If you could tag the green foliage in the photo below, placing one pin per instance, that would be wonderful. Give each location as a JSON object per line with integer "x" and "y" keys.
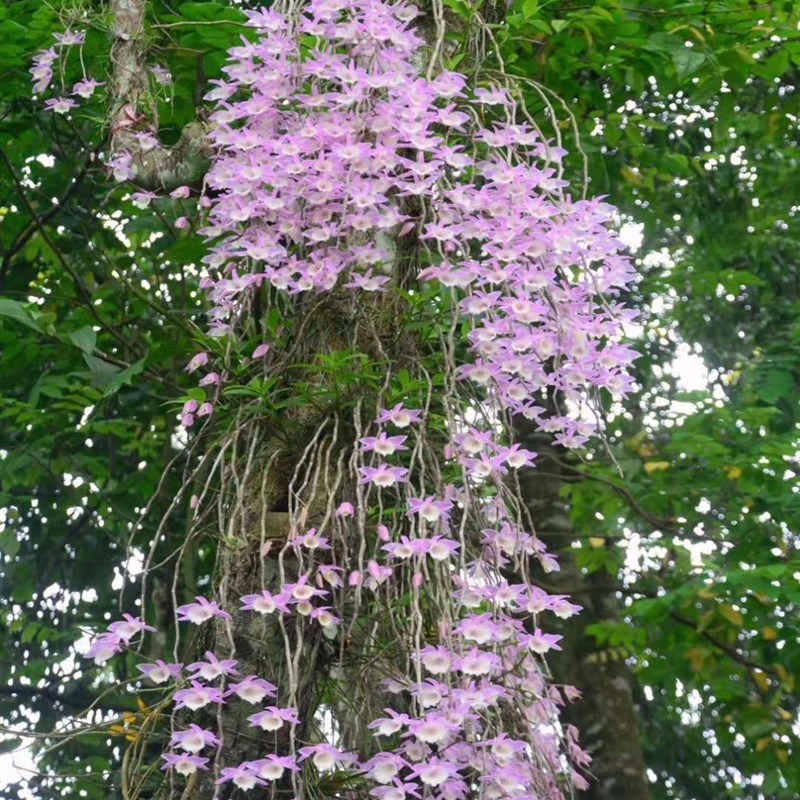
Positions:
{"x": 687, "y": 114}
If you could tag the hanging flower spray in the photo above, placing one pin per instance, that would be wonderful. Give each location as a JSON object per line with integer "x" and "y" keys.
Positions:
{"x": 334, "y": 150}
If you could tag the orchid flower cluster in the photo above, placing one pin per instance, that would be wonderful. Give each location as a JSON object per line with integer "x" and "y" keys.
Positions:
{"x": 53, "y": 61}
{"x": 198, "y": 691}
{"x": 327, "y": 133}
{"x": 317, "y": 153}
{"x": 42, "y": 72}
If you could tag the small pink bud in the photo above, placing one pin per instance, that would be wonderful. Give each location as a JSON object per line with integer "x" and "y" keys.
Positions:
{"x": 200, "y": 360}
{"x": 571, "y": 693}
{"x": 190, "y": 406}
{"x": 261, "y": 351}
{"x": 205, "y": 410}
{"x": 181, "y": 223}
{"x": 345, "y": 510}
{"x": 417, "y": 580}
{"x": 208, "y": 380}
{"x": 194, "y": 502}
{"x": 187, "y": 420}
{"x": 450, "y": 492}
{"x": 383, "y": 533}
{"x": 354, "y": 579}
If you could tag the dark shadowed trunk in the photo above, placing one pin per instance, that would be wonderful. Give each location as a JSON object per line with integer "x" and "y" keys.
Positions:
{"x": 606, "y": 714}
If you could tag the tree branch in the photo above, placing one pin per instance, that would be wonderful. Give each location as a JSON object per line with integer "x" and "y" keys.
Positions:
{"x": 161, "y": 167}
{"x": 77, "y": 699}
{"x": 80, "y": 286}
{"x": 33, "y": 226}
{"x": 729, "y": 650}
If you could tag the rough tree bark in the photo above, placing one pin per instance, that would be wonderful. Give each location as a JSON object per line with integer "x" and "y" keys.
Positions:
{"x": 132, "y": 111}
{"x": 257, "y": 510}
{"x": 606, "y": 714}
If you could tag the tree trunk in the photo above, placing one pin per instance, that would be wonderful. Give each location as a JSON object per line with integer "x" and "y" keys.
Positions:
{"x": 282, "y": 479}
{"x": 605, "y": 715}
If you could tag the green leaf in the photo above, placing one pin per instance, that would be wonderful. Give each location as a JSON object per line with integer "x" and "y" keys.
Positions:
{"x": 462, "y": 8}
{"x": 84, "y": 339}
{"x": 98, "y": 366}
{"x": 18, "y": 312}
{"x": 777, "y": 64}
{"x": 123, "y": 377}
{"x": 9, "y": 543}
{"x": 29, "y": 633}
{"x": 10, "y": 745}
{"x": 210, "y": 12}
{"x": 775, "y": 385}
{"x": 687, "y": 61}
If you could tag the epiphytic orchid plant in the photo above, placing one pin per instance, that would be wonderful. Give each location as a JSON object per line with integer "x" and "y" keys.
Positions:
{"x": 406, "y": 552}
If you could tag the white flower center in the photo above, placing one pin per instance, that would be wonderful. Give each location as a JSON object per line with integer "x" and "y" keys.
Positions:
{"x": 431, "y": 732}
{"x": 245, "y": 781}
{"x": 401, "y": 418}
{"x": 264, "y": 605}
{"x": 185, "y": 767}
{"x": 433, "y": 776}
{"x": 404, "y": 551}
{"x": 481, "y": 470}
{"x": 209, "y": 672}
{"x": 270, "y": 722}
{"x": 439, "y": 551}
{"x": 502, "y": 751}
{"x": 383, "y": 772}
{"x": 388, "y": 727}
{"x": 437, "y": 664}
{"x": 383, "y": 479}
{"x": 251, "y": 694}
{"x": 323, "y": 761}
{"x": 303, "y": 592}
{"x": 271, "y": 772}
{"x": 539, "y": 646}
{"x": 472, "y": 445}
{"x": 429, "y": 697}
{"x": 193, "y": 743}
{"x": 159, "y": 675}
{"x": 197, "y": 700}
{"x": 304, "y": 608}
{"x": 477, "y": 633}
